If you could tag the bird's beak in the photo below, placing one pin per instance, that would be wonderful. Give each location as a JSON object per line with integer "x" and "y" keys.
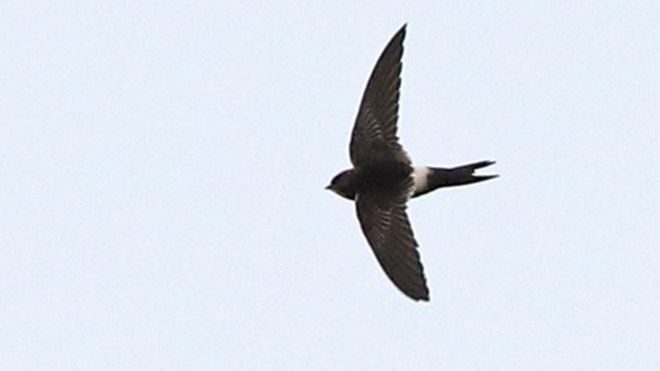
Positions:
{"x": 328, "y": 187}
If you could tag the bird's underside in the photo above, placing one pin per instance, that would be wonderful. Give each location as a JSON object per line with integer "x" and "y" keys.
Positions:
{"x": 383, "y": 179}
{"x": 382, "y": 212}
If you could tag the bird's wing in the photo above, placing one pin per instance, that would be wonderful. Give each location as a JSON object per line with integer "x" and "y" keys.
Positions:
{"x": 383, "y": 219}
{"x": 374, "y": 137}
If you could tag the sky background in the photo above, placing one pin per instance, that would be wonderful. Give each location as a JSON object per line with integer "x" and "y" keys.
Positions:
{"x": 162, "y": 168}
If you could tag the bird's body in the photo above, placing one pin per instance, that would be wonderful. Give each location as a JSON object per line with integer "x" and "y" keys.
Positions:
{"x": 425, "y": 179}
{"x": 383, "y": 178}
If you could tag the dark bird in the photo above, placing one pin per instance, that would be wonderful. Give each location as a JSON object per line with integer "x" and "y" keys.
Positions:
{"x": 383, "y": 178}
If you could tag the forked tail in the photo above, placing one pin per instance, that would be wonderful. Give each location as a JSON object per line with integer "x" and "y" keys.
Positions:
{"x": 460, "y": 175}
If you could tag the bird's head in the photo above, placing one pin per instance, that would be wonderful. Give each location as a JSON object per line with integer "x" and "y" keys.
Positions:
{"x": 342, "y": 184}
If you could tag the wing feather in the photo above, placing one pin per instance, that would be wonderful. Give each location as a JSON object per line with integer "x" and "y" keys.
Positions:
{"x": 374, "y": 137}
{"x": 385, "y": 223}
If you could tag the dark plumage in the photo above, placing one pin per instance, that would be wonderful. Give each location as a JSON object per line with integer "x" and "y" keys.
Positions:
{"x": 383, "y": 178}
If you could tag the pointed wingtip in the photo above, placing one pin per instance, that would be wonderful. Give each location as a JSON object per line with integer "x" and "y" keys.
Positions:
{"x": 402, "y": 31}
{"x": 419, "y": 293}
{"x": 423, "y": 298}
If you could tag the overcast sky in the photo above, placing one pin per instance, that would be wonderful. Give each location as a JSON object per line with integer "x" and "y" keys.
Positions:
{"x": 162, "y": 169}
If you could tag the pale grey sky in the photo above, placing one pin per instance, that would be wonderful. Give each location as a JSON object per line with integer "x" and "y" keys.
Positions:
{"x": 163, "y": 166}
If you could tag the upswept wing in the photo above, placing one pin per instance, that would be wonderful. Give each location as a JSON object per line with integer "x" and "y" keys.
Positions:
{"x": 374, "y": 137}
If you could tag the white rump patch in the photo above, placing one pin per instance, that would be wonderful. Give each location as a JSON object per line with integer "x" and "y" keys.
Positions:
{"x": 421, "y": 177}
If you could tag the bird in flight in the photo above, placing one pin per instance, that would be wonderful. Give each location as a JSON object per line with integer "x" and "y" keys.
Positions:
{"x": 383, "y": 178}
